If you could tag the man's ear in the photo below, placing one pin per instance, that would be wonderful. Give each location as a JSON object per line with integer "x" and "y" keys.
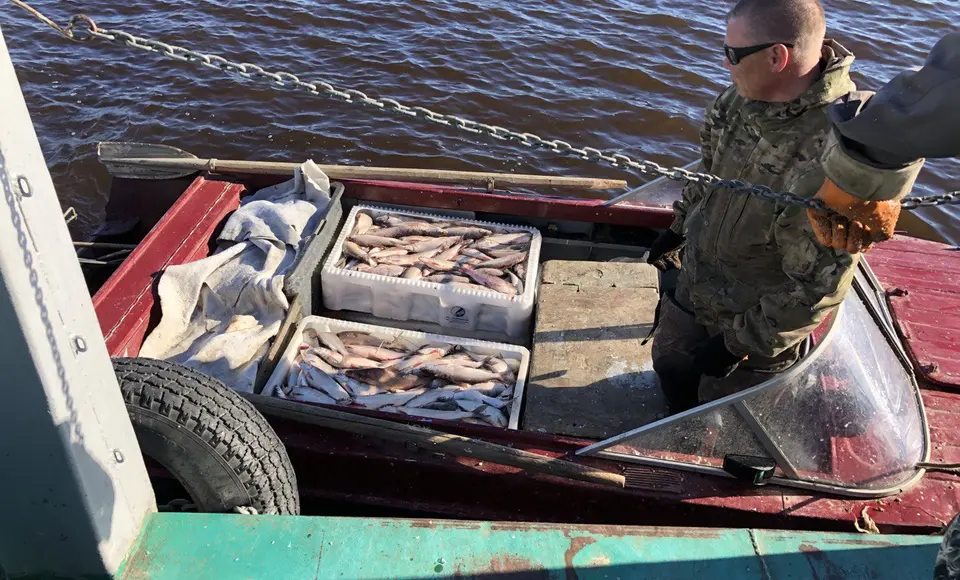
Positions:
{"x": 779, "y": 57}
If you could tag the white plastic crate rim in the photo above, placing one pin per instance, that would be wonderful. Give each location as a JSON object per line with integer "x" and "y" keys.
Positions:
{"x": 321, "y": 324}
{"x": 442, "y": 304}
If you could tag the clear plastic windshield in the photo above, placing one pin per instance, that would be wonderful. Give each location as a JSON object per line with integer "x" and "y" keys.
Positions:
{"x": 848, "y": 416}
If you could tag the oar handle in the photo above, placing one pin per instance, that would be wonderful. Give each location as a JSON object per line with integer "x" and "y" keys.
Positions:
{"x": 475, "y": 178}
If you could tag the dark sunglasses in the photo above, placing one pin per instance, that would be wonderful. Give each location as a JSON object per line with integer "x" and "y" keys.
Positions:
{"x": 735, "y": 55}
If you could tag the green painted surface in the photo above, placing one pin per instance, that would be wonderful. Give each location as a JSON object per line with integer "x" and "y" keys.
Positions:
{"x": 202, "y": 546}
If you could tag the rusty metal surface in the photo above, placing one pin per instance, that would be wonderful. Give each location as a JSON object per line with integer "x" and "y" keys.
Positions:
{"x": 202, "y": 546}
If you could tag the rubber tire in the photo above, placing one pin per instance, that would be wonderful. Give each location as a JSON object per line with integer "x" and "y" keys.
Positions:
{"x": 217, "y": 445}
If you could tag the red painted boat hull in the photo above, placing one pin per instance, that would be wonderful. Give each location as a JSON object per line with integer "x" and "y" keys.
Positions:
{"x": 336, "y": 466}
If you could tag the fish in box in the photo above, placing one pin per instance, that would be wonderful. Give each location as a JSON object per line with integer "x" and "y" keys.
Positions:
{"x": 465, "y": 274}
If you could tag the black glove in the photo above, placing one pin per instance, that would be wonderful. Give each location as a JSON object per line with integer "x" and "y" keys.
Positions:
{"x": 712, "y": 358}
{"x": 665, "y": 252}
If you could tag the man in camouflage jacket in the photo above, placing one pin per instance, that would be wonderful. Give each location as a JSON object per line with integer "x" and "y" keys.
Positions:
{"x": 754, "y": 281}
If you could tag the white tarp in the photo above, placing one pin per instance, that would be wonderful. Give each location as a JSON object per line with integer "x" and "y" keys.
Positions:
{"x": 220, "y": 313}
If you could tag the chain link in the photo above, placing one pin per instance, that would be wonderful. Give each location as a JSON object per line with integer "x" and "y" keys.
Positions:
{"x": 284, "y": 79}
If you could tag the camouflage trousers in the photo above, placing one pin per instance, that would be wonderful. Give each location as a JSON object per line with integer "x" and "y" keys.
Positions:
{"x": 678, "y": 332}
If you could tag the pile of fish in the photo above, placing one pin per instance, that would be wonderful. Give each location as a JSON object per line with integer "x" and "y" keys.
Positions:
{"x": 434, "y": 380}
{"x": 438, "y": 250}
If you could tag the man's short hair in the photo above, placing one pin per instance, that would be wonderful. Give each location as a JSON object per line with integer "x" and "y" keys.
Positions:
{"x": 797, "y": 22}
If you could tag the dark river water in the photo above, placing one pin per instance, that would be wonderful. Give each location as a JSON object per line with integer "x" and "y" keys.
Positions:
{"x": 632, "y": 76}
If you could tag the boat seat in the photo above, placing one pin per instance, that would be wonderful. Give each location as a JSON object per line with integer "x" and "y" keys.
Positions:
{"x": 590, "y": 374}
{"x": 125, "y": 304}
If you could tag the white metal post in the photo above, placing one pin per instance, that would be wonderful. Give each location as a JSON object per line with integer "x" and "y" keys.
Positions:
{"x": 73, "y": 484}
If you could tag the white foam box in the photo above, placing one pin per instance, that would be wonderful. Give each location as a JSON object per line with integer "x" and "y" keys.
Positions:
{"x": 509, "y": 352}
{"x": 442, "y": 304}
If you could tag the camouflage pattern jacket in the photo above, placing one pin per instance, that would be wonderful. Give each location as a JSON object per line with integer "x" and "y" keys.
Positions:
{"x": 751, "y": 267}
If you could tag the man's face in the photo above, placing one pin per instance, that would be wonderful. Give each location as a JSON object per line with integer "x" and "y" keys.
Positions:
{"x": 753, "y": 75}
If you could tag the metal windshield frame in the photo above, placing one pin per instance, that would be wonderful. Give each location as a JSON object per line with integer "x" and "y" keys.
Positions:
{"x": 884, "y": 321}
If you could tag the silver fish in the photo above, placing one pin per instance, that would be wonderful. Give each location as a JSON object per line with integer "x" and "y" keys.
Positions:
{"x": 432, "y": 396}
{"x": 388, "y": 220}
{"x": 503, "y": 252}
{"x": 450, "y": 253}
{"x": 439, "y": 265}
{"x": 497, "y": 364}
{"x": 379, "y": 353}
{"x": 403, "y": 261}
{"x": 354, "y": 251}
{"x": 434, "y": 244}
{"x": 474, "y": 253}
{"x": 373, "y": 241}
{"x": 412, "y": 273}
{"x": 445, "y": 278}
{"x": 308, "y": 395}
{"x": 458, "y": 373}
{"x": 516, "y": 281}
{"x": 313, "y": 359}
{"x": 384, "y": 399}
{"x": 471, "y": 395}
{"x": 329, "y": 356}
{"x": 355, "y": 387}
{"x": 492, "y": 415}
{"x": 411, "y": 229}
{"x": 490, "y": 388}
{"x": 379, "y": 253}
{"x": 504, "y": 262}
{"x": 489, "y": 272}
{"x": 349, "y": 337}
{"x": 492, "y": 282}
{"x": 332, "y": 341}
{"x": 342, "y": 262}
{"x": 358, "y": 362}
{"x": 467, "y": 232}
{"x": 385, "y": 269}
{"x": 325, "y": 383}
{"x": 362, "y": 225}
{"x": 389, "y": 379}
{"x": 502, "y": 240}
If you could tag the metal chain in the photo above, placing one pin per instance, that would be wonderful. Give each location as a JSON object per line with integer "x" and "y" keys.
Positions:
{"x": 283, "y": 79}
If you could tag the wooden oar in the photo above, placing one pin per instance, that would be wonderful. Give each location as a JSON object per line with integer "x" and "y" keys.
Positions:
{"x": 151, "y": 161}
{"x": 433, "y": 440}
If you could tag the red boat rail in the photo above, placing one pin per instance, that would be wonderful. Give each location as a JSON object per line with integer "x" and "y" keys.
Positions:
{"x": 125, "y": 303}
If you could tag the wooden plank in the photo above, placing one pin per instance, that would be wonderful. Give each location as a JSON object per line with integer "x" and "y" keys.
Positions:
{"x": 591, "y": 375}
{"x": 433, "y": 440}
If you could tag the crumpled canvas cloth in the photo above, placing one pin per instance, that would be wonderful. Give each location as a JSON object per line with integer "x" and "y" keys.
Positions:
{"x": 219, "y": 314}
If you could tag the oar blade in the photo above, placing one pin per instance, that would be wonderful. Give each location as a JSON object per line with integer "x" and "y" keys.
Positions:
{"x": 121, "y": 160}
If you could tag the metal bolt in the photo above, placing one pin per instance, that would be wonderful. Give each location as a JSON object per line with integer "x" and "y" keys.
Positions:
{"x": 24, "y": 185}
{"x": 79, "y": 344}
{"x": 118, "y": 456}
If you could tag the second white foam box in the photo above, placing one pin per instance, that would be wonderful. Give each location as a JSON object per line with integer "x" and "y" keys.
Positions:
{"x": 442, "y": 304}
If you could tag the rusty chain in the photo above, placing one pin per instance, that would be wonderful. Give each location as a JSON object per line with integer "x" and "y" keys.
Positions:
{"x": 282, "y": 79}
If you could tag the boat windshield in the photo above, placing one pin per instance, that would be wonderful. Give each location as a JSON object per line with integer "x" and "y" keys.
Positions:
{"x": 847, "y": 417}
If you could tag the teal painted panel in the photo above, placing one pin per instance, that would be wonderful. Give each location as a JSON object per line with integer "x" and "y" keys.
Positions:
{"x": 206, "y": 546}
{"x": 222, "y": 546}
{"x": 435, "y": 549}
{"x": 801, "y": 555}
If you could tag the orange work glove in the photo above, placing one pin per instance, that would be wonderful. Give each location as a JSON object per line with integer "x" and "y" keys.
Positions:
{"x": 860, "y": 223}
